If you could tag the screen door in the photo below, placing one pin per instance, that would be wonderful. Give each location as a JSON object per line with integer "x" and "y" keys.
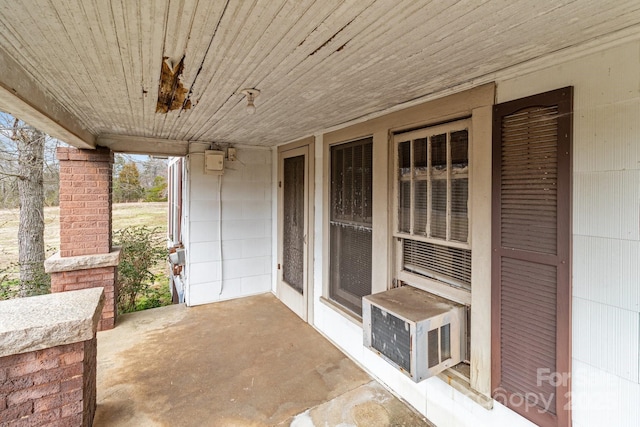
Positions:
{"x": 293, "y": 212}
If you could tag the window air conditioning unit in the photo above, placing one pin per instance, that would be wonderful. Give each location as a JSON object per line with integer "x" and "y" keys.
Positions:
{"x": 419, "y": 333}
{"x": 214, "y": 162}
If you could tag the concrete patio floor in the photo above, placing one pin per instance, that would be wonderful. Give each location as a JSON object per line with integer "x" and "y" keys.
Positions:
{"x": 246, "y": 362}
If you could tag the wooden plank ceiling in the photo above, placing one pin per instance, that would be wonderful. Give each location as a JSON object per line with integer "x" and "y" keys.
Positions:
{"x": 317, "y": 63}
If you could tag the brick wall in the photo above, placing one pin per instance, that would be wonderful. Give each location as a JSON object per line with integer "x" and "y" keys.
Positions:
{"x": 55, "y": 385}
{"x": 85, "y": 201}
{"x": 92, "y": 278}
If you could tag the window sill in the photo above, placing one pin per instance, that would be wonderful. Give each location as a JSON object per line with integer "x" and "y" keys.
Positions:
{"x": 459, "y": 380}
{"x": 349, "y": 315}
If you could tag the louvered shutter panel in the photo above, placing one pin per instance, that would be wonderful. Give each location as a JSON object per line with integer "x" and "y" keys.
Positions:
{"x": 531, "y": 259}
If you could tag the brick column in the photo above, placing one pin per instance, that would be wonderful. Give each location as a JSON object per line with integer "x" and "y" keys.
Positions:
{"x": 86, "y": 258}
{"x": 85, "y": 201}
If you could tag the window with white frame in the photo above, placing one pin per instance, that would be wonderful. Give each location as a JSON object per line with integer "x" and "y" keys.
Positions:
{"x": 175, "y": 201}
{"x": 351, "y": 219}
{"x": 432, "y": 214}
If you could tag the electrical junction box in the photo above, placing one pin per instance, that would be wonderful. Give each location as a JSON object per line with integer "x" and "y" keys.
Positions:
{"x": 214, "y": 162}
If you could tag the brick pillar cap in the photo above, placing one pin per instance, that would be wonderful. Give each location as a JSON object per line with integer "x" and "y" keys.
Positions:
{"x": 59, "y": 264}
{"x": 44, "y": 321}
{"x": 100, "y": 154}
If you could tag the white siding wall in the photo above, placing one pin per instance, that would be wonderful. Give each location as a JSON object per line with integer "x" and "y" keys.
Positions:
{"x": 246, "y": 228}
{"x": 606, "y": 253}
{"x": 606, "y": 228}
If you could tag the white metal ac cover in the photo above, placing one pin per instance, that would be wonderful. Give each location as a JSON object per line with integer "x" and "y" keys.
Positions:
{"x": 419, "y": 333}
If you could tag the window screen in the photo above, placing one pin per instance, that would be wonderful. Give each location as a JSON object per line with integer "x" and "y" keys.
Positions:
{"x": 293, "y": 232}
{"x": 350, "y": 223}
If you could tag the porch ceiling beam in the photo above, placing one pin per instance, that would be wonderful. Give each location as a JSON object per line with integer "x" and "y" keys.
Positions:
{"x": 143, "y": 145}
{"x": 22, "y": 97}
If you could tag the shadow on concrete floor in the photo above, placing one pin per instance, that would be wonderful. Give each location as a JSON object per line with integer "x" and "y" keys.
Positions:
{"x": 246, "y": 362}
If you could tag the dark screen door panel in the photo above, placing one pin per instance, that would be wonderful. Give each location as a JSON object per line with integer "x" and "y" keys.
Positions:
{"x": 293, "y": 230}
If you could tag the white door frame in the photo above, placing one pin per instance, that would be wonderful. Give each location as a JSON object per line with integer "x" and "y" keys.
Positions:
{"x": 302, "y": 305}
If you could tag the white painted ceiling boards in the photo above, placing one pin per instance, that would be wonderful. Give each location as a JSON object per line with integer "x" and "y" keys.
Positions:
{"x": 91, "y": 69}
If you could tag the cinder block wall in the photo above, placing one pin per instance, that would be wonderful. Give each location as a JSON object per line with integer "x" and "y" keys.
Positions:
{"x": 245, "y": 225}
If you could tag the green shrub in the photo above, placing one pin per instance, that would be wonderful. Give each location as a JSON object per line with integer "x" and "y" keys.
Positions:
{"x": 39, "y": 285}
{"x": 143, "y": 248}
{"x": 10, "y": 286}
{"x": 155, "y": 296}
{"x": 9, "y": 289}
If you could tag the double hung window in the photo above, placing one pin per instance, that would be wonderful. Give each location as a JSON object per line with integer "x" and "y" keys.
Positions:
{"x": 432, "y": 197}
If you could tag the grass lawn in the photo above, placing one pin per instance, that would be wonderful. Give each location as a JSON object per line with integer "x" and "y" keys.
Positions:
{"x": 124, "y": 215}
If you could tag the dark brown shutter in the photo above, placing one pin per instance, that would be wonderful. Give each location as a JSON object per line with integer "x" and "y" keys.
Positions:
{"x": 531, "y": 264}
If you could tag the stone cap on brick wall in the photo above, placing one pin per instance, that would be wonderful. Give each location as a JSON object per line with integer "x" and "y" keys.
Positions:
{"x": 59, "y": 264}
{"x": 36, "y": 323}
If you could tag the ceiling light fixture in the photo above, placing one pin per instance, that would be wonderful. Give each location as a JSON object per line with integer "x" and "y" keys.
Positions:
{"x": 251, "y": 95}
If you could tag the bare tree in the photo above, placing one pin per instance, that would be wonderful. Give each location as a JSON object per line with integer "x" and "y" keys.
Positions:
{"x": 31, "y": 255}
{"x": 9, "y": 165}
{"x": 152, "y": 168}
{"x": 28, "y": 173}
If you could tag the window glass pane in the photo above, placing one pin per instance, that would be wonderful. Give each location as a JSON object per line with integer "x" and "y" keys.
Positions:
{"x": 350, "y": 265}
{"x": 420, "y": 155}
{"x": 367, "y": 183}
{"x": 404, "y": 158}
{"x": 357, "y": 183}
{"x": 459, "y": 151}
{"x": 439, "y": 209}
{"x": 439, "y": 152}
{"x": 337, "y": 184}
{"x": 404, "y": 206}
{"x": 347, "y": 184}
{"x": 420, "y": 208}
{"x": 459, "y": 211}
